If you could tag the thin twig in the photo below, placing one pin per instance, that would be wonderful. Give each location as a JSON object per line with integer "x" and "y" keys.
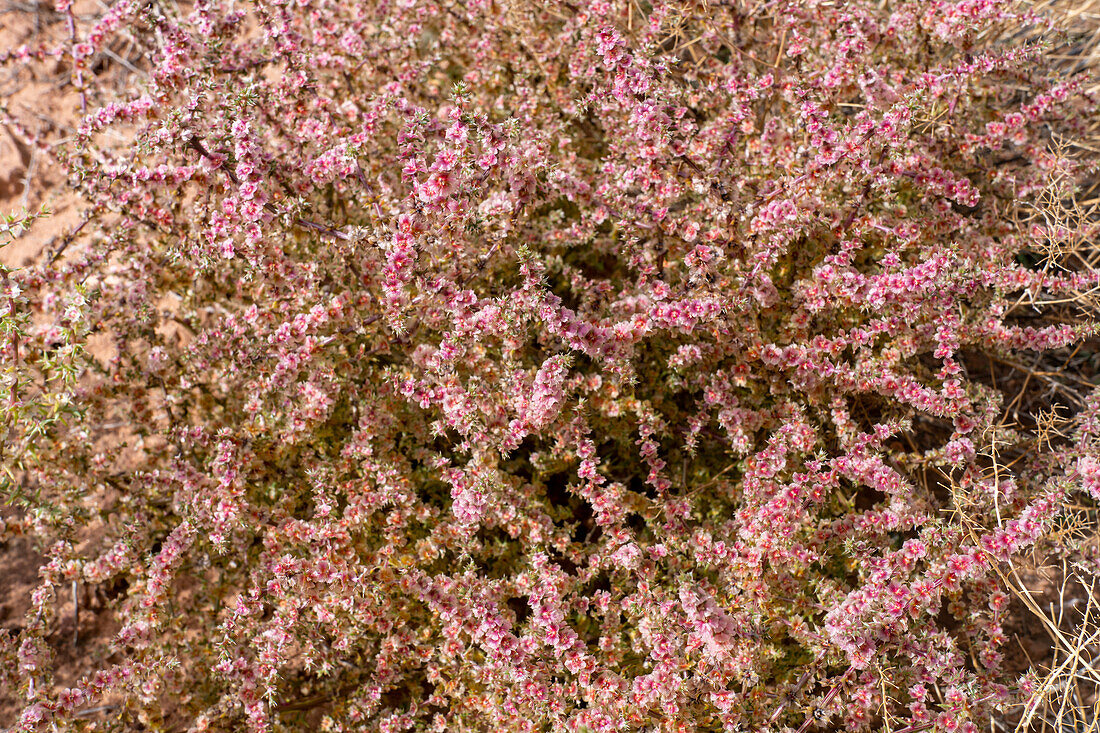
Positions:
{"x": 76, "y": 615}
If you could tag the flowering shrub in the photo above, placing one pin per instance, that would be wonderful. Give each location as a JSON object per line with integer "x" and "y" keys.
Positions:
{"x": 583, "y": 366}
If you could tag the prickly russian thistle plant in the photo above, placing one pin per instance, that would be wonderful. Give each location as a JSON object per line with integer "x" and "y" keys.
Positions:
{"x": 587, "y": 366}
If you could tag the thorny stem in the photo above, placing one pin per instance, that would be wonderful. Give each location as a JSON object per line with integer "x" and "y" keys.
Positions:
{"x": 196, "y": 145}
{"x": 77, "y": 63}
